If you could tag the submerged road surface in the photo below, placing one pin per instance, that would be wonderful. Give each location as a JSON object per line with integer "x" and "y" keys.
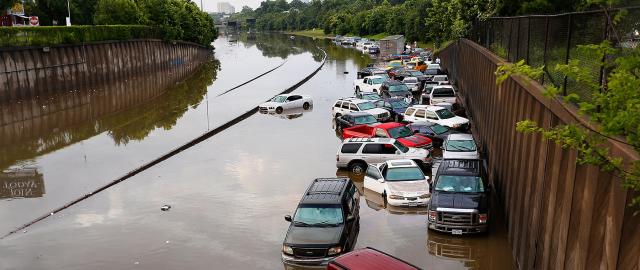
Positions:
{"x": 228, "y": 195}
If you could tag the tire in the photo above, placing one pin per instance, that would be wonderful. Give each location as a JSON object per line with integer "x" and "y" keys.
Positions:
{"x": 338, "y": 115}
{"x": 306, "y": 106}
{"x": 358, "y": 167}
{"x": 279, "y": 110}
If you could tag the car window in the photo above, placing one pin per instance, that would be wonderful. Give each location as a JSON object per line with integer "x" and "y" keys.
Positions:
{"x": 438, "y": 129}
{"x": 404, "y": 174}
{"x": 443, "y": 92}
{"x": 376, "y": 80}
{"x": 398, "y": 88}
{"x": 372, "y": 148}
{"x": 350, "y": 148}
{"x": 380, "y": 133}
{"x": 353, "y": 107}
{"x": 319, "y": 215}
{"x": 409, "y": 111}
{"x": 431, "y": 115}
{"x": 365, "y": 119}
{"x": 445, "y": 114}
{"x": 337, "y": 105}
{"x": 455, "y": 183}
{"x": 373, "y": 172}
{"x": 366, "y": 106}
{"x": 388, "y": 149}
{"x": 400, "y": 132}
{"x": 420, "y": 114}
{"x": 461, "y": 146}
{"x": 365, "y": 80}
{"x": 345, "y": 105}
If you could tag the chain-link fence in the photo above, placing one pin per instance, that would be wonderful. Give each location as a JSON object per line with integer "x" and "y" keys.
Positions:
{"x": 54, "y": 35}
{"x": 548, "y": 40}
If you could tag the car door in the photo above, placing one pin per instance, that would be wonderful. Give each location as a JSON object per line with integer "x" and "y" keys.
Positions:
{"x": 389, "y": 152}
{"x": 337, "y": 108}
{"x": 345, "y": 107}
{"x": 420, "y": 115}
{"x": 432, "y": 117}
{"x": 343, "y": 121}
{"x": 372, "y": 153}
{"x": 373, "y": 178}
{"x": 408, "y": 115}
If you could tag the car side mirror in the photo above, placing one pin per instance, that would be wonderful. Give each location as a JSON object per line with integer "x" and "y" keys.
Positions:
{"x": 287, "y": 218}
{"x": 398, "y": 152}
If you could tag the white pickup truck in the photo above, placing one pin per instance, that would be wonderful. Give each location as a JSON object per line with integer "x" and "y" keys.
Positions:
{"x": 368, "y": 84}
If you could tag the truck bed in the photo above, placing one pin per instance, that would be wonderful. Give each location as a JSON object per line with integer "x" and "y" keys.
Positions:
{"x": 360, "y": 131}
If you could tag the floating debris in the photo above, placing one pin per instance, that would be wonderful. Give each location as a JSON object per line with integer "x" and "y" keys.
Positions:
{"x": 165, "y": 207}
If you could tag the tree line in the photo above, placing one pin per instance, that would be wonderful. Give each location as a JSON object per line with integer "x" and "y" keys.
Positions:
{"x": 423, "y": 20}
{"x": 177, "y": 19}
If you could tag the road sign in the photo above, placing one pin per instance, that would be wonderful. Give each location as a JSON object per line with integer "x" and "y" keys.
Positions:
{"x": 34, "y": 21}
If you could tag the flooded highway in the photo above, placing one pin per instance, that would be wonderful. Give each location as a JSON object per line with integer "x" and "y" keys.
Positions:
{"x": 228, "y": 194}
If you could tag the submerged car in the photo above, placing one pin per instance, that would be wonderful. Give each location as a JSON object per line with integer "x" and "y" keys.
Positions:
{"x": 395, "y": 106}
{"x": 390, "y": 89}
{"x": 400, "y": 182}
{"x": 369, "y": 259}
{"x": 280, "y": 103}
{"x": 356, "y": 154}
{"x": 355, "y": 119}
{"x": 460, "y": 146}
{"x": 436, "y": 132}
{"x": 325, "y": 224}
{"x": 436, "y": 114}
{"x": 460, "y": 197}
{"x": 373, "y": 96}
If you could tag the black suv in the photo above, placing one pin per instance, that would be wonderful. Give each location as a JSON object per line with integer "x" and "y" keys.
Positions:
{"x": 326, "y": 223}
{"x": 460, "y": 197}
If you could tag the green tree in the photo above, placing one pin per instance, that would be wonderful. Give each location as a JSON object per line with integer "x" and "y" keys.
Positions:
{"x": 110, "y": 12}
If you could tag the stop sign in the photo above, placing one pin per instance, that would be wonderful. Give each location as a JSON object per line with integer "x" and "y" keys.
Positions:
{"x": 33, "y": 21}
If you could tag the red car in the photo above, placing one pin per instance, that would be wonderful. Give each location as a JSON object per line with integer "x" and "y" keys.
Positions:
{"x": 369, "y": 259}
{"x": 398, "y": 131}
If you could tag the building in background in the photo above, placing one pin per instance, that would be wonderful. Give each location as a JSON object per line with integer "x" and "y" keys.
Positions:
{"x": 392, "y": 45}
{"x": 226, "y": 8}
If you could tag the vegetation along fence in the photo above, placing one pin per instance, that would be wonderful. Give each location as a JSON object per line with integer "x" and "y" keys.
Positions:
{"x": 548, "y": 40}
{"x": 54, "y": 35}
{"x": 560, "y": 214}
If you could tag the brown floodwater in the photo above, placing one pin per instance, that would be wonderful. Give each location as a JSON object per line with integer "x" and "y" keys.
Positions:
{"x": 228, "y": 194}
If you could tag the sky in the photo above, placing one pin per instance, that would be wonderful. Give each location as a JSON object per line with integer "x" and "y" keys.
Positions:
{"x": 211, "y": 5}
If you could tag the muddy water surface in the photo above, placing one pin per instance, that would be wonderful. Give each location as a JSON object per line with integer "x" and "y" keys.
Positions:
{"x": 228, "y": 195}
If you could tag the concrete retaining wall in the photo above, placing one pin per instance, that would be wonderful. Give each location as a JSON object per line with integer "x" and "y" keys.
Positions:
{"x": 31, "y": 72}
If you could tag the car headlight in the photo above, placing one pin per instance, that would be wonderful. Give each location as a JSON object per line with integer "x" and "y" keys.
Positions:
{"x": 425, "y": 196}
{"x": 335, "y": 250}
{"x": 287, "y": 249}
{"x": 396, "y": 197}
{"x": 455, "y": 126}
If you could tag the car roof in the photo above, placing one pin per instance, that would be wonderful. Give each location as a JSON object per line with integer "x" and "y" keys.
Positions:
{"x": 371, "y": 259}
{"x": 325, "y": 191}
{"x": 354, "y": 100}
{"x": 443, "y": 86}
{"x": 393, "y": 82}
{"x": 401, "y": 163}
{"x": 460, "y": 167}
{"x": 369, "y": 140}
{"x": 428, "y": 107}
{"x": 373, "y": 77}
{"x": 461, "y": 137}
{"x": 389, "y": 125}
{"x": 358, "y": 113}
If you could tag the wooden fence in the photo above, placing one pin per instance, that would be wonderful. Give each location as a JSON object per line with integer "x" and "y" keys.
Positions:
{"x": 560, "y": 215}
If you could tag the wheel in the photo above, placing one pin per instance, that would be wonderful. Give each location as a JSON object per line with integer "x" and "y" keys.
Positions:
{"x": 358, "y": 167}
{"x": 306, "y": 106}
{"x": 279, "y": 110}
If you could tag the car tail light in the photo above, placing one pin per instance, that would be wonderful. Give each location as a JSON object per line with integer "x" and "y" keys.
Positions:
{"x": 433, "y": 215}
{"x": 482, "y": 218}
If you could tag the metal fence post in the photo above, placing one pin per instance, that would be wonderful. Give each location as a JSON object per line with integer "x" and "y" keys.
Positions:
{"x": 546, "y": 42}
{"x": 528, "y": 39}
{"x": 517, "y": 42}
{"x": 509, "y": 39}
{"x": 566, "y": 60}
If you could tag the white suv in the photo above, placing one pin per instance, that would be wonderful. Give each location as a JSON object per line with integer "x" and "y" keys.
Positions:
{"x": 356, "y": 153}
{"x": 400, "y": 182}
{"x": 460, "y": 146}
{"x": 349, "y": 105}
{"x": 435, "y": 114}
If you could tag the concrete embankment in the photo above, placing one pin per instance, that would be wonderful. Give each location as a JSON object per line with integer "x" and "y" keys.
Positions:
{"x": 28, "y": 72}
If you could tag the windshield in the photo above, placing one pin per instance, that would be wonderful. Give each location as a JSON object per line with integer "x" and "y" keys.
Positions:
{"x": 320, "y": 215}
{"x": 467, "y": 184}
{"x": 376, "y": 80}
{"x": 279, "y": 99}
{"x": 398, "y": 88}
{"x": 366, "y": 106}
{"x": 400, "y": 132}
{"x": 404, "y": 174}
{"x": 443, "y": 92}
{"x": 399, "y": 104}
{"x": 444, "y": 114}
{"x": 410, "y": 80}
{"x": 395, "y": 64}
{"x": 431, "y": 72}
{"x": 438, "y": 129}
{"x": 401, "y": 147}
{"x": 370, "y": 96}
{"x": 461, "y": 146}
{"x": 415, "y": 73}
{"x": 365, "y": 119}
{"x": 440, "y": 78}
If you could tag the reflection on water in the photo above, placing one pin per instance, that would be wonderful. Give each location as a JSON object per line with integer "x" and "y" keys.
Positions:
{"x": 290, "y": 114}
{"x": 468, "y": 250}
{"x": 21, "y": 182}
{"x": 127, "y": 110}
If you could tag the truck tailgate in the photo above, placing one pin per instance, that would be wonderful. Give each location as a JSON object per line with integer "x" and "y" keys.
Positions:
{"x": 361, "y": 131}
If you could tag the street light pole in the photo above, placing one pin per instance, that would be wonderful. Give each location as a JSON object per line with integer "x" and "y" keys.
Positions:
{"x": 69, "y": 12}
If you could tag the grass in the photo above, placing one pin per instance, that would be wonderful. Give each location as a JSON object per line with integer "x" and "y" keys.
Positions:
{"x": 314, "y": 33}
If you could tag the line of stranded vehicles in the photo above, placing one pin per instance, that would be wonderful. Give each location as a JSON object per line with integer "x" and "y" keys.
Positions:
{"x": 389, "y": 139}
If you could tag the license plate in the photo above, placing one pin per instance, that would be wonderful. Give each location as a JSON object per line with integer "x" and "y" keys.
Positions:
{"x": 413, "y": 204}
{"x": 456, "y": 232}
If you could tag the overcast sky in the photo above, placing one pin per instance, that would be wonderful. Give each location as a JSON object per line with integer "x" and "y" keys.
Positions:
{"x": 211, "y": 5}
